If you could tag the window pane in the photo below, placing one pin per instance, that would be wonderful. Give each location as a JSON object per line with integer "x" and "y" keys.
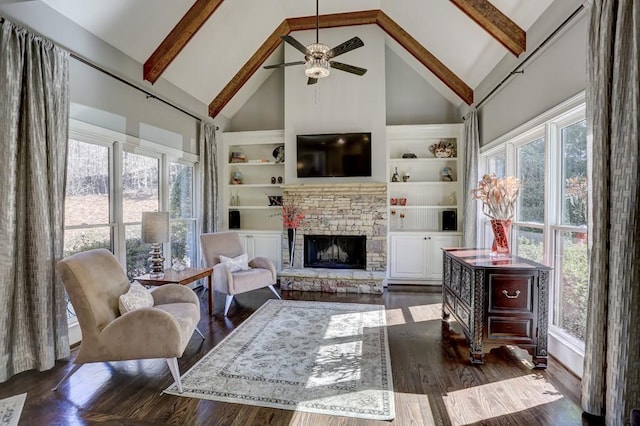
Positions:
{"x": 77, "y": 240}
{"x": 574, "y": 174}
{"x": 87, "y": 193}
{"x": 531, "y": 173}
{"x": 137, "y": 252}
{"x": 572, "y": 266}
{"x": 139, "y": 186}
{"x": 496, "y": 165}
{"x": 180, "y": 191}
{"x": 182, "y": 242}
{"x": 528, "y": 242}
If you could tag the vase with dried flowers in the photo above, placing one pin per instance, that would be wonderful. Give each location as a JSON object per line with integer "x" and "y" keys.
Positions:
{"x": 292, "y": 219}
{"x": 498, "y": 196}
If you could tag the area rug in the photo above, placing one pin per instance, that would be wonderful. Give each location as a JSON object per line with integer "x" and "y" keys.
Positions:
{"x": 11, "y": 408}
{"x": 329, "y": 358}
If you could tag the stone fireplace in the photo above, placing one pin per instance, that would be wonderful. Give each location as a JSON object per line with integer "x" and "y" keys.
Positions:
{"x": 355, "y": 211}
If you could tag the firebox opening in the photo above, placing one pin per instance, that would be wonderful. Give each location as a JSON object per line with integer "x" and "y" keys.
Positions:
{"x": 335, "y": 251}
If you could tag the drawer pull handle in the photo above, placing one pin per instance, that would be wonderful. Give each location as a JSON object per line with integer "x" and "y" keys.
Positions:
{"x": 508, "y": 296}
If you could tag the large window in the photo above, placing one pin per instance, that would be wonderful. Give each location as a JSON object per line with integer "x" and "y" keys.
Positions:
{"x": 111, "y": 181}
{"x": 549, "y": 156}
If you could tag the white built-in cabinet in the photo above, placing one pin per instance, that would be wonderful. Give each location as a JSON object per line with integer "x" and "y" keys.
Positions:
{"x": 263, "y": 243}
{"x": 260, "y": 223}
{"x": 416, "y": 232}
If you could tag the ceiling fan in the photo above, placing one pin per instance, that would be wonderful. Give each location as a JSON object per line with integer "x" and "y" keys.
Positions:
{"x": 318, "y": 56}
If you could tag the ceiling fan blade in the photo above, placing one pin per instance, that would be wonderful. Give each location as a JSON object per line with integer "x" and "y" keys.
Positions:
{"x": 286, "y": 64}
{"x": 295, "y": 43}
{"x": 348, "y": 68}
{"x": 345, "y": 47}
{"x": 312, "y": 80}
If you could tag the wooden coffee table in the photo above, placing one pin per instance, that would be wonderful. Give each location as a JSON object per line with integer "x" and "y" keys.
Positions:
{"x": 186, "y": 276}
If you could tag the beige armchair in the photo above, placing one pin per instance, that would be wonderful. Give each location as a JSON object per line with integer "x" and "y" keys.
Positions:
{"x": 262, "y": 272}
{"x": 94, "y": 281}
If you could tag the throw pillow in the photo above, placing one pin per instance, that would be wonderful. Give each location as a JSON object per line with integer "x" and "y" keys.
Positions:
{"x": 235, "y": 264}
{"x": 137, "y": 297}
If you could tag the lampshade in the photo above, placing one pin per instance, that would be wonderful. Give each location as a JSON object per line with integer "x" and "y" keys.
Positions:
{"x": 155, "y": 227}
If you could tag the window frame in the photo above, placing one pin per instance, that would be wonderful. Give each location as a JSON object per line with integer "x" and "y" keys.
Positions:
{"x": 567, "y": 348}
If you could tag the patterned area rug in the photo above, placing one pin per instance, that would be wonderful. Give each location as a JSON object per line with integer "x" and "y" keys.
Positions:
{"x": 11, "y": 408}
{"x": 329, "y": 358}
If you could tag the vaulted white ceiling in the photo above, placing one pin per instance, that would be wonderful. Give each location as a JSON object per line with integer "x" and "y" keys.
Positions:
{"x": 239, "y": 27}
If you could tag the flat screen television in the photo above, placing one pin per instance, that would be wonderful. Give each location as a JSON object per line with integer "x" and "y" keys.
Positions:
{"x": 334, "y": 155}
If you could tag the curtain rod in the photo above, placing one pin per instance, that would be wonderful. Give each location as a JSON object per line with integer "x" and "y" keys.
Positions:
{"x": 517, "y": 69}
{"x": 130, "y": 84}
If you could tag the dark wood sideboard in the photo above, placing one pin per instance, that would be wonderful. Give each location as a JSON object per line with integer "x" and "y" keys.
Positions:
{"x": 496, "y": 301}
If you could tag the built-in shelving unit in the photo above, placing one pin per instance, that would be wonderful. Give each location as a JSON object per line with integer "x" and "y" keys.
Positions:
{"x": 433, "y": 186}
{"x": 250, "y": 194}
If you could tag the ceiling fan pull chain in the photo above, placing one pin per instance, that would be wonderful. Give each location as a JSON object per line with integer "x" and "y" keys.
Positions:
{"x": 317, "y": 22}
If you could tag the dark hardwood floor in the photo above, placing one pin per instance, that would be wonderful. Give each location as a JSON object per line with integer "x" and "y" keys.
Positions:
{"x": 433, "y": 380}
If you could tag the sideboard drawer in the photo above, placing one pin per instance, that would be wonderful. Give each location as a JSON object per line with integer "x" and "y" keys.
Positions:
{"x": 511, "y": 293}
{"x": 510, "y": 328}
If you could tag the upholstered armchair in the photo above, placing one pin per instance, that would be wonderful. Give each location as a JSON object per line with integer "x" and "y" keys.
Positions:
{"x": 94, "y": 281}
{"x": 260, "y": 272}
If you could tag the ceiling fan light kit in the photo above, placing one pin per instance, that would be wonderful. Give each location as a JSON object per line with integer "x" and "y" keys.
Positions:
{"x": 317, "y": 65}
{"x": 317, "y": 56}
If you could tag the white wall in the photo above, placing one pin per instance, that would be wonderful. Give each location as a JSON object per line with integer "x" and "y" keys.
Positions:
{"x": 555, "y": 74}
{"x": 411, "y": 99}
{"x": 265, "y": 109}
{"x": 342, "y": 102}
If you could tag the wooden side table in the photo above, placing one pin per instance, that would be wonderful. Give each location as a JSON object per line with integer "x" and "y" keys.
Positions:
{"x": 186, "y": 276}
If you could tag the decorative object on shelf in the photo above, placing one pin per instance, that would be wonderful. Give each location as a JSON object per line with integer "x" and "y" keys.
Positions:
{"x": 393, "y": 201}
{"x": 292, "y": 219}
{"x": 238, "y": 157}
{"x": 280, "y": 180}
{"x": 236, "y": 178}
{"x": 395, "y": 177}
{"x": 443, "y": 149}
{"x": 447, "y": 174}
{"x": 409, "y": 155}
{"x": 235, "y": 199}
{"x": 278, "y": 154}
{"x": 406, "y": 177}
{"x": 275, "y": 200}
{"x": 273, "y": 180}
{"x": 402, "y": 216}
{"x": 155, "y": 230}
{"x": 498, "y": 198}
{"x": 403, "y": 201}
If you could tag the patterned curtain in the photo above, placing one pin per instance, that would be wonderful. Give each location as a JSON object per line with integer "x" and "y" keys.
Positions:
{"x": 209, "y": 170}
{"x": 34, "y": 119}
{"x": 612, "y": 353}
{"x": 469, "y": 206}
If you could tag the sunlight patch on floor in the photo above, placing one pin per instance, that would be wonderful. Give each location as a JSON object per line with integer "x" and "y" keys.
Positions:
{"x": 421, "y": 313}
{"x": 395, "y": 317}
{"x": 480, "y": 403}
{"x": 413, "y": 409}
{"x": 336, "y": 363}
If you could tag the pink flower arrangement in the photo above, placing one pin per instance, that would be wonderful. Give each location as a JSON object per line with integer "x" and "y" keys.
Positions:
{"x": 292, "y": 216}
{"x": 498, "y": 196}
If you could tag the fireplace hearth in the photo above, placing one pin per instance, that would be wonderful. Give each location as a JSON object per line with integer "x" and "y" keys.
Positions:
{"x": 335, "y": 251}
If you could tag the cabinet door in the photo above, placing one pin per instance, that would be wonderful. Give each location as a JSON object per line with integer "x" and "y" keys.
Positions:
{"x": 434, "y": 253}
{"x": 247, "y": 245}
{"x": 408, "y": 256}
{"x": 269, "y": 246}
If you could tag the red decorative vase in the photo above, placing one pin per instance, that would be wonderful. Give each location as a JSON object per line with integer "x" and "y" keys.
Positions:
{"x": 501, "y": 230}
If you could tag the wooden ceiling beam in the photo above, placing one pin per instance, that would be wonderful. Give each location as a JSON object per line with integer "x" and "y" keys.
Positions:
{"x": 178, "y": 38}
{"x": 496, "y": 23}
{"x": 248, "y": 69}
{"x": 426, "y": 58}
{"x": 367, "y": 17}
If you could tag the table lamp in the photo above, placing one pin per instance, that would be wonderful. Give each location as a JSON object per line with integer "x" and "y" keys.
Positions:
{"x": 155, "y": 230}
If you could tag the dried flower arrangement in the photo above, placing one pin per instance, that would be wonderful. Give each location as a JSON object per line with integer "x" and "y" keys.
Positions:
{"x": 498, "y": 196}
{"x": 292, "y": 215}
{"x": 444, "y": 149}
